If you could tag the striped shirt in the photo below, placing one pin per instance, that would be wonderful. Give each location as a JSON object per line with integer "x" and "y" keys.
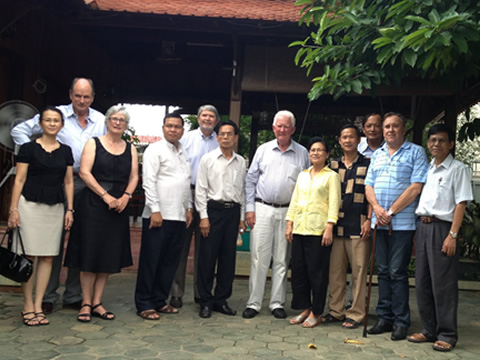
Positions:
{"x": 390, "y": 176}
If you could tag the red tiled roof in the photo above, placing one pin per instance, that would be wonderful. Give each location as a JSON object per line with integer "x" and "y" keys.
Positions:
{"x": 270, "y": 10}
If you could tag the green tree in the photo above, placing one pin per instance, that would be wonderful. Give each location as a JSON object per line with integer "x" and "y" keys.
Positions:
{"x": 358, "y": 44}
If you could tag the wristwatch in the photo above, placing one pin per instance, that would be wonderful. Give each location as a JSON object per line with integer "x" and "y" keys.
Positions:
{"x": 128, "y": 194}
{"x": 453, "y": 235}
{"x": 390, "y": 212}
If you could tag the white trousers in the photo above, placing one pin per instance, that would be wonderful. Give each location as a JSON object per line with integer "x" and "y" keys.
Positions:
{"x": 267, "y": 242}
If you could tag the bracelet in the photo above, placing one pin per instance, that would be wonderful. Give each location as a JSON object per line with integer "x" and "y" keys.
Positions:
{"x": 103, "y": 194}
{"x": 72, "y": 210}
{"x": 369, "y": 219}
{"x": 190, "y": 209}
{"x": 12, "y": 211}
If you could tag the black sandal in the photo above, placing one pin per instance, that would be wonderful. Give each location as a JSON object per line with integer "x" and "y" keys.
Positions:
{"x": 107, "y": 315}
{"x": 354, "y": 324}
{"x": 41, "y": 318}
{"x": 329, "y": 318}
{"x": 27, "y": 321}
{"x": 85, "y": 317}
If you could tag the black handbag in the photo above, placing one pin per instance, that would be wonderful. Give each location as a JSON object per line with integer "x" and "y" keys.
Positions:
{"x": 16, "y": 267}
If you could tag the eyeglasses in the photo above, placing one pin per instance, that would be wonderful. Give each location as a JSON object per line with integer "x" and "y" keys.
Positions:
{"x": 227, "y": 134}
{"x": 119, "y": 120}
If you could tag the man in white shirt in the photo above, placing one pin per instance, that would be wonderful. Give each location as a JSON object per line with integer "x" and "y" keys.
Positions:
{"x": 269, "y": 186}
{"x": 441, "y": 210}
{"x": 220, "y": 201}
{"x": 167, "y": 214}
{"x": 81, "y": 123}
{"x": 372, "y": 129}
{"x": 196, "y": 143}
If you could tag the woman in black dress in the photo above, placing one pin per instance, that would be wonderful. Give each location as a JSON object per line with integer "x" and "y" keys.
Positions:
{"x": 43, "y": 166}
{"x": 100, "y": 240}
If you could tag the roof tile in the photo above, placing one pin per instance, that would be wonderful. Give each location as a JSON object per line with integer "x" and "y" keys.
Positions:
{"x": 269, "y": 10}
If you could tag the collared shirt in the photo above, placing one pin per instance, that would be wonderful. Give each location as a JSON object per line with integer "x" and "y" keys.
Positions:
{"x": 314, "y": 202}
{"x": 166, "y": 181}
{"x": 196, "y": 145}
{"x": 220, "y": 179}
{"x": 354, "y": 206}
{"x": 447, "y": 185}
{"x": 72, "y": 134}
{"x": 365, "y": 149}
{"x": 390, "y": 176}
{"x": 273, "y": 173}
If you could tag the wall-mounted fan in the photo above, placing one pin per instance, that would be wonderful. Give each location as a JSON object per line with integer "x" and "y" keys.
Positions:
{"x": 12, "y": 113}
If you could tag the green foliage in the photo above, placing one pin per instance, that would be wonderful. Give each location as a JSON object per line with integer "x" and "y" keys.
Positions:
{"x": 470, "y": 232}
{"x": 363, "y": 43}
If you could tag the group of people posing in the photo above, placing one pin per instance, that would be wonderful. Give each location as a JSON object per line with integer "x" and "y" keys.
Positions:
{"x": 302, "y": 208}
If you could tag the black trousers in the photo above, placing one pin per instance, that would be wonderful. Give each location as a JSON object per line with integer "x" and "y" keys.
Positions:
{"x": 219, "y": 249}
{"x": 310, "y": 263}
{"x": 159, "y": 257}
{"x": 436, "y": 282}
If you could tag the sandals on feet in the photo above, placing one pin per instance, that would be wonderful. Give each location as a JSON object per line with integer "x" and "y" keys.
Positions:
{"x": 41, "y": 318}
{"x": 149, "y": 314}
{"x": 329, "y": 318}
{"x": 419, "y": 338}
{"x": 299, "y": 319}
{"x": 168, "y": 309}
{"x": 350, "y": 324}
{"x": 311, "y": 322}
{"x": 30, "y": 321}
{"x": 85, "y": 316}
{"x": 106, "y": 315}
{"x": 442, "y": 346}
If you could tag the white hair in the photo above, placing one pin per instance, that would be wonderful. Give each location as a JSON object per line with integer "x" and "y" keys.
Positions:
{"x": 284, "y": 113}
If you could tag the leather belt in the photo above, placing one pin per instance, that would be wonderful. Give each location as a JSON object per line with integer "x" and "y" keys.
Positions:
{"x": 192, "y": 186}
{"x": 222, "y": 204}
{"x": 429, "y": 219}
{"x": 272, "y": 204}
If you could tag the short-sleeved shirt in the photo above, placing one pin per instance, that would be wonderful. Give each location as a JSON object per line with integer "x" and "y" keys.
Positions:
{"x": 447, "y": 185}
{"x": 354, "y": 206}
{"x": 390, "y": 176}
{"x": 46, "y": 172}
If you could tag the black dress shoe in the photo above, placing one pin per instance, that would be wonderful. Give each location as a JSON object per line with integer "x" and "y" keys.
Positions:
{"x": 75, "y": 305}
{"x": 380, "y": 327}
{"x": 279, "y": 313}
{"x": 224, "y": 309}
{"x": 249, "y": 313}
{"x": 400, "y": 333}
{"x": 47, "y": 307}
{"x": 205, "y": 312}
{"x": 176, "y": 302}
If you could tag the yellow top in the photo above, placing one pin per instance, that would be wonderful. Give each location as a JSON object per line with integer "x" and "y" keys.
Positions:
{"x": 315, "y": 202}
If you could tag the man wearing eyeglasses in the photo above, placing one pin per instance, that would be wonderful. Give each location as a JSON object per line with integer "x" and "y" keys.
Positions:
{"x": 269, "y": 186}
{"x": 81, "y": 123}
{"x": 220, "y": 201}
{"x": 441, "y": 209}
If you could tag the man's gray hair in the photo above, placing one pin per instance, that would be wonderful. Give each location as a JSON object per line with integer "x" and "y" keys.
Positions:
{"x": 285, "y": 113}
{"x": 117, "y": 109}
{"x": 208, "y": 108}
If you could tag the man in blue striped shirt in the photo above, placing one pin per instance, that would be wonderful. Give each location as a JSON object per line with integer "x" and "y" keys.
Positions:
{"x": 394, "y": 182}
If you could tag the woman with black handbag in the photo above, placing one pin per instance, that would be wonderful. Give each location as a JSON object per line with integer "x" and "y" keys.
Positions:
{"x": 37, "y": 205}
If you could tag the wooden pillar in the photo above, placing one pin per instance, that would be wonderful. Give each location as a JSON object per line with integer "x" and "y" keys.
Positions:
{"x": 236, "y": 87}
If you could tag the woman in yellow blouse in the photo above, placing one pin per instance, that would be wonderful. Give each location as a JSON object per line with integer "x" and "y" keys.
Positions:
{"x": 312, "y": 213}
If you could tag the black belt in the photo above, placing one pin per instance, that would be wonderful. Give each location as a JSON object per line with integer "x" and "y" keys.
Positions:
{"x": 272, "y": 204}
{"x": 192, "y": 186}
{"x": 222, "y": 204}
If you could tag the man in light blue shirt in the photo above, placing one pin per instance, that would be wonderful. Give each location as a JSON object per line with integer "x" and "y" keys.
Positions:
{"x": 196, "y": 143}
{"x": 81, "y": 123}
{"x": 372, "y": 129}
{"x": 269, "y": 186}
{"x": 394, "y": 182}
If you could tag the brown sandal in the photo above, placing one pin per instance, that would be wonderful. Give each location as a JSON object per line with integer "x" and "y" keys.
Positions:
{"x": 419, "y": 338}
{"x": 149, "y": 314}
{"x": 442, "y": 346}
